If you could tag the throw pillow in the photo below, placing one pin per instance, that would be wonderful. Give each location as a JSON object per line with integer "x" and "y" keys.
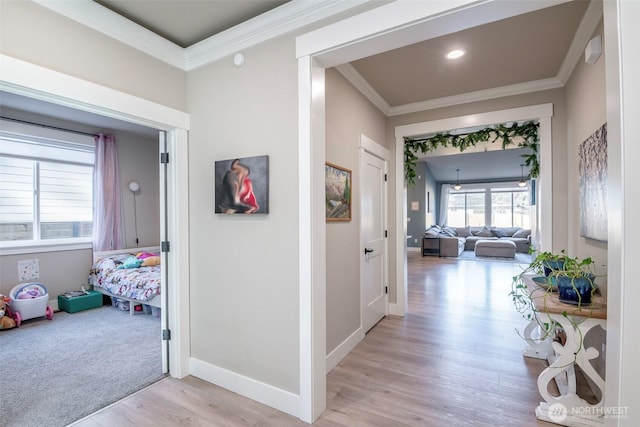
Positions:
{"x": 447, "y": 232}
{"x": 431, "y": 232}
{"x": 450, "y": 230}
{"x": 463, "y": 231}
{"x": 523, "y": 233}
{"x": 498, "y": 233}
{"x": 485, "y": 232}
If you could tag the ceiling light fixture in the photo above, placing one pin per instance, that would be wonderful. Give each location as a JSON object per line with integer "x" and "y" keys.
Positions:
{"x": 522, "y": 182}
{"x": 457, "y": 185}
{"x": 456, "y": 53}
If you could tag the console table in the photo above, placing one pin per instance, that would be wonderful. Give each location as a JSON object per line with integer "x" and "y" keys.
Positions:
{"x": 431, "y": 246}
{"x": 569, "y": 408}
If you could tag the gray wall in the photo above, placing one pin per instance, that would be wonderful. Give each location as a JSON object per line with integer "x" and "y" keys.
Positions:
{"x": 37, "y": 35}
{"x": 244, "y": 276}
{"x": 348, "y": 115}
{"x": 586, "y": 112}
{"x": 426, "y": 215}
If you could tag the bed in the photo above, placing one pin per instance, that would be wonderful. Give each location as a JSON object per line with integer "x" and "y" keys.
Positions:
{"x": 139, "y": 285}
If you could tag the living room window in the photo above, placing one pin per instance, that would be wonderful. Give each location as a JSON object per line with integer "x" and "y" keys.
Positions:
{"x": 509, "y": 207}
{"x": 478, "y": 205}
{"x": 46, "y": 189}
{"x": 467, "y": 208}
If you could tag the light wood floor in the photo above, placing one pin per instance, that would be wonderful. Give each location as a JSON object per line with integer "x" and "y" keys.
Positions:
{"x": 454, "y": 360}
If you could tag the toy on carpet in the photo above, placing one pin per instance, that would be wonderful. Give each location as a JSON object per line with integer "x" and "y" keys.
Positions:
{"x": 28, "y": 301}
{"x": 6, "y": 322}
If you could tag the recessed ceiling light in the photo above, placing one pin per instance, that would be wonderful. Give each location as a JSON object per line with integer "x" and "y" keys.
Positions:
{"x": 456, "y": 53}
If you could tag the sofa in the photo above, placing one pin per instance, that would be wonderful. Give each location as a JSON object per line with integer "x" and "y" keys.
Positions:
{"x": 455, "y": 240}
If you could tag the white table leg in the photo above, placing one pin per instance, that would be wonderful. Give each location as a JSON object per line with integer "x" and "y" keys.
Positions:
{"x": 569, "y": 409}
{"x": 539, "y": 345}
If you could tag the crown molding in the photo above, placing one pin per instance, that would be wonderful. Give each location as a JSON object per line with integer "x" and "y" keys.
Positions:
{"x": 356, "y": 79}
{"x": 588, "y": 25}
{"x": 480, "y": 95}
{"x": 109, "y": 23}
{"x": 274, "y": 23}
{"x": 281, "y": 20}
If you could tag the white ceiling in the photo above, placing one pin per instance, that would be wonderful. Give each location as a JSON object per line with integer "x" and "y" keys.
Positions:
{"x": 519, "y": 54}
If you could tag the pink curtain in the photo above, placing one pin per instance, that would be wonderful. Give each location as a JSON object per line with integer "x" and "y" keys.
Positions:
{"x": 107, "y": 220}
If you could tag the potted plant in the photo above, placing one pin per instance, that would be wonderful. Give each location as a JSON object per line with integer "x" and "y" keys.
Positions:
{"x": 576, "y": 281}
{"x": 572, "y": 278}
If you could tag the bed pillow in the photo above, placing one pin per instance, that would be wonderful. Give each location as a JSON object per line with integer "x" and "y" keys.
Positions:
{"x": 151, "y": 261}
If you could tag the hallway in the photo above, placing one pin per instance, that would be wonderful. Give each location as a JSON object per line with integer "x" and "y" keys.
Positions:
{"x": 454, "y": 360}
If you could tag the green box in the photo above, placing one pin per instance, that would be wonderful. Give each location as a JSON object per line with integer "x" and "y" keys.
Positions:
{"x": 85, "y": 302}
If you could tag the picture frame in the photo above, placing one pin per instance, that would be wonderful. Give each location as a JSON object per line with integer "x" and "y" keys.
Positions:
{"x": 592, "y": 185}
{"x": 337, "y": 193}
{"x": 242, "y": 186}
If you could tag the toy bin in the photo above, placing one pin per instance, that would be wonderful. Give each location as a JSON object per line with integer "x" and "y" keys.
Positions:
{"x": 28, "y": 301}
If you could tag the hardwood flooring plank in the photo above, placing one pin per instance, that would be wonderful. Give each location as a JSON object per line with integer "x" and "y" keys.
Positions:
{"x": 454, "y": 360}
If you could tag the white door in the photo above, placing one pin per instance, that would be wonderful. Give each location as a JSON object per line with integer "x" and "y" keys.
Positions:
{"x": 373, "y": 248}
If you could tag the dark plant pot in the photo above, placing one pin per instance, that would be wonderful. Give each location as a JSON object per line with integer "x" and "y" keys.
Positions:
{"x": 555, "y": 265}
{"x": 576, "y": 290}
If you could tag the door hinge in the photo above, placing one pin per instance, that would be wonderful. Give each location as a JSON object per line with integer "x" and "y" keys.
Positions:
{"x": 166, "y": 335}
{"x": 385, "y": 177}
{"x": 386, "y": 234}
{"x": 165, "y": 246}
{"x": 164, "y": 157}
{"x": 386, "y": 289}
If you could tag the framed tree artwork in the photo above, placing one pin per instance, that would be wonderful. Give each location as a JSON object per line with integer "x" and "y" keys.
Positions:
{"x": 337, "y": 193}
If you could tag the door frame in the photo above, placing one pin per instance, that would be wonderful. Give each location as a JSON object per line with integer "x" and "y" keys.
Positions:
{"x": 368, "y": 145}
{"x": 33, "y": 81}
{"x": 543, "y": 230}
{"x": 381, "y": 29}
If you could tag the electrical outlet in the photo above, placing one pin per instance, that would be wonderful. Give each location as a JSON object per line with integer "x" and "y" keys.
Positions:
{"x": 415, "y": 240}
{"x": 408, "y": 219}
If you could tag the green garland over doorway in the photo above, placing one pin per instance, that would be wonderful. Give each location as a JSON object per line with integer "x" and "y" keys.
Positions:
{"x": 526, "y": 133}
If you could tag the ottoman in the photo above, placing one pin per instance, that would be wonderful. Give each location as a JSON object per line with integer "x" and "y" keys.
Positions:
{"x": 495, "y": 248}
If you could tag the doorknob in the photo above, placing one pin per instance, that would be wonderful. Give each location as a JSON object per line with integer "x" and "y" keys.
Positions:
{"x": 367, "y": 250}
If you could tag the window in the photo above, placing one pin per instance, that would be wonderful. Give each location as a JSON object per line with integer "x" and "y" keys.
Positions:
{"x": 46, "y": 188}
{"x": 509, "y": 208}
{"x": 477, "y": 205}
{"x": 466, "y": 208}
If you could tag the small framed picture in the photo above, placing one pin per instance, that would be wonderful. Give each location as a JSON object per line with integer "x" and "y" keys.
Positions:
{"x": 337, "y": 193}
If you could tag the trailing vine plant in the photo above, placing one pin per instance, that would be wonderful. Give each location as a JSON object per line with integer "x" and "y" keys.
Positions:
{"x": 522, "y": 136}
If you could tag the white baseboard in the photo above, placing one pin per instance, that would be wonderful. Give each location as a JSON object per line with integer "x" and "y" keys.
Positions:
{"x": 413, "y": 249}
{"x": 394, "y": 309}
{"x": 343, "y": 349}
{"x": 54, "y": 304}
{"x": 256, "y": 390}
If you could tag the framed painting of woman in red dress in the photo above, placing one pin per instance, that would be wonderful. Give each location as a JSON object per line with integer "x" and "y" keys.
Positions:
{"x": 242, "y": 185}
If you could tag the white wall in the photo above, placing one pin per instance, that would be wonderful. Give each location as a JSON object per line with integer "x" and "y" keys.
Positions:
{"x": 244, "y": 276}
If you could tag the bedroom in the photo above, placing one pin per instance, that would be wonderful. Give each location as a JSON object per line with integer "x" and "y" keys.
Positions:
{"x": 65, "y": 266}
